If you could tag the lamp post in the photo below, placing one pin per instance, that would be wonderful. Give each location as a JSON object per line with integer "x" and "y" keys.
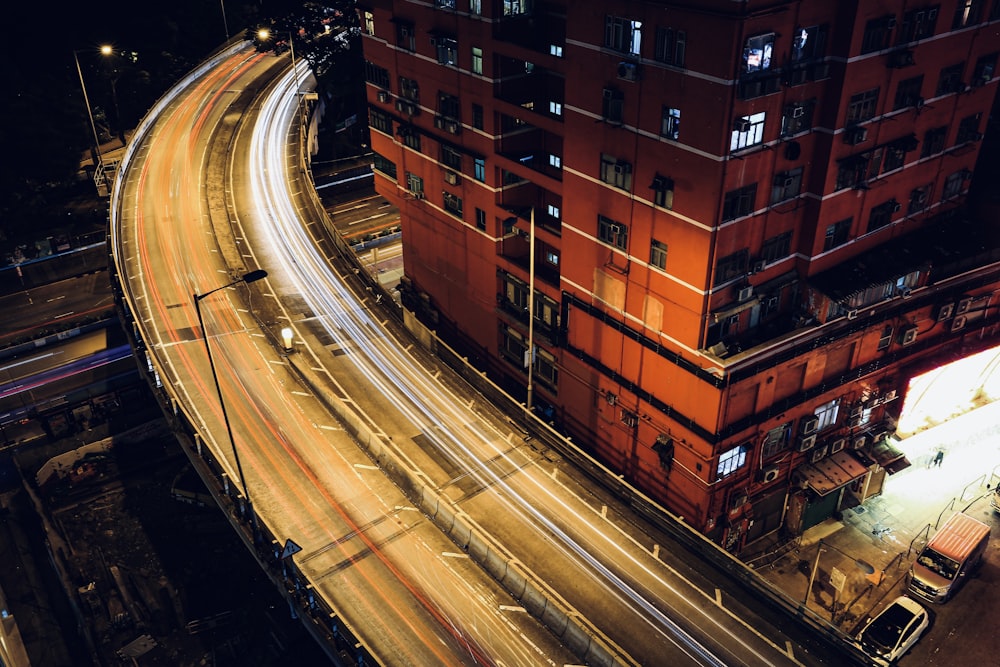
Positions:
{"x": 250, "y": 277}
{"x": 264, "y": 34}
{"x": 98, "y": 158}
{"x": 529, "y": 355}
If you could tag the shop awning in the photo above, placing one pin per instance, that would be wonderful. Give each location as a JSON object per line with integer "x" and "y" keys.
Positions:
{"x": 886, "y": 454}
{"x": 831, "y": 473}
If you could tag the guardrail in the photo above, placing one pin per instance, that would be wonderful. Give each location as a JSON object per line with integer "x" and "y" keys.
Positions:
{"x": 319, "y": 616}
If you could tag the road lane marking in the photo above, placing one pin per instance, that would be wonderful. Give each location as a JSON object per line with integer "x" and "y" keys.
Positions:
{"x": 510, "y": 607}
{"x": 453, "y": 554}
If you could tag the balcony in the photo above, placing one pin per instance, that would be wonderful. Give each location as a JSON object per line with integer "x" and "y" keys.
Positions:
{"x": 519, "y": 196}
{"x": 531, "y": 146}
{"x": 533, "y": 25}
{"x": 528, "y": 86}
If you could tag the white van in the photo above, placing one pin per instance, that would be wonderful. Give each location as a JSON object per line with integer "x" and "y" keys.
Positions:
{"x": 949, "y": 558}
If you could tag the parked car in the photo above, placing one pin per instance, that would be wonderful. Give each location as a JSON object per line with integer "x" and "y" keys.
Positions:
{"x": 890, "y": 634}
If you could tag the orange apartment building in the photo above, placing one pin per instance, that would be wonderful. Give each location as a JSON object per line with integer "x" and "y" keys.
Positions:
{"x": 743, "y": 223}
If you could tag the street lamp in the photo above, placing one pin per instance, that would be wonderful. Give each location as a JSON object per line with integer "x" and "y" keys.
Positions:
{"x": 98, "y": 158}
{"x": 107, "y": 50}
{"x": 264, "y": 34}
{"x": 529, "y": 355}
{"x": 250, "y": 277}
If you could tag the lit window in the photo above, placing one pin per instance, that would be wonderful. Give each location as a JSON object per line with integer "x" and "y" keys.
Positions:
{"x": 663, "y": 191}
{"x": 553, "y": 211}
{"x": 623, "y": 34}
{"x": 555, "y": 50}
{"x": 747, "y": 131}
{"x": 555, "y": 108}
{"x": 477, "y": 60}
{"x": 731, "y": 461}
{"x": 616, "y": 172}
{"x": 479, "y": 169}
{"x": 476, "y": 7}
{"x": 452, "y": 204}
{"x": 670, "y": 124}
{"x": 555, "y": 161}
{"x": 612, "y": 232}
{"x": 369, "y": 23}
{"x": 757, "y": 53}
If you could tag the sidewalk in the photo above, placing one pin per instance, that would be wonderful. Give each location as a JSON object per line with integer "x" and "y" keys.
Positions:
{"x": 889, "y": 530}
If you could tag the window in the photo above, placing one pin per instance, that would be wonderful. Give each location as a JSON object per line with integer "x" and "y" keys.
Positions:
{"x": 670, "y": 123}
{"x": 555, "y": 161}
{"x": 555, "y": 50}
{"x": 827, "y": 414}
{"x": 409, "y": 89}
{"x": 776, "y": 247}
{"x": 658, "y": 254}
{"x": 629, "y": 418}
{"x": 415, "y": 184}
{"x": 445, "y": 4}
{"x": 447, "y": 50}
{"x": 515, "y": 7}
{"x": 787, "y": 185}
{"x": 836, "y": 234}
{"x": 747, "y": 131}
{"x": 411, "y": 137}
{"x": 448, "y": 106}
{"x": 739, "y": 202}
{"x": 451, "y": 158}
{"x": 983, "y": 71}
{"x": 663, "y": 191}
{"x": 552, "y": 258}
{"x": 881, "y": 215}
{"x": 918, "y": 199}
{"x": 513, "y": 347}
{"x": 377, "y": 75}
{"x": 757, "y": 53}
{"x": 968, "y": 129}
{"x": 950, "y": 80}
{"x": 480, "y": 219}
{"x": 731, "y": 266}
{"x": 613, "y": 106}
{"x": 380, "y": 121}
{"x": 555, "y": 108}
{"x": 953, "y": 185}
{"x": 877, "y": 33}
{"x": 731, "y": 461}
{"x": 477, "y": 60}
{"x": 406, "y": 36}
{"x": 862, "y": 106}
{"x": 622, "y": 34}
{"x": 885, "y": 338}
{"x": 369, "y": 23}
{"x": 612, "y": 232}
{"x": 452, "y": 204}
{"x": 852, "y": 172}
{"x": 479, "y": 169}
{"x": 895, "y": 156}
{"x": 387, "y": 167}
{"x": 553, "y": 211}
{"x": 477, "y": 116}
{"x": 908, "y": 93}
{"x": 968, "y": 12}
{"x": 476, "y": 7}
{"x": 545, "y": 369}
{"x": 797, "y": 118}
{"x": 670, "y": 46}
{"x": 616, "y": 172}
{"x": 809, "y": 43}
{"x": 934, "y": 141}
{"x": 778, "y": 439}
{"x": 917, "y": 24}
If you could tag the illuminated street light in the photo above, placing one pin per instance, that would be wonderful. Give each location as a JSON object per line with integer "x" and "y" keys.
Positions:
{"x": 98, "y": 158}
{"x": 286, "y": 338}
{"x": 263, "y": 34}
{"x": 247, "y": 278}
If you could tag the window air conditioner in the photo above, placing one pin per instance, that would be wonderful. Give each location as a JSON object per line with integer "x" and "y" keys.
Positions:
{"x": 963, "y": 305}
{"x": 908, "y": 336}
{"x": 383, "y": 96}
{"x": 806, "y": 442}
{"x": 859, "y": 442}
{"x": 451, "y": 178}
{"x": 744, "y": 293}
{"x": 959, "y": 323}
{"x": 818, "y": 454}
{"x": 945, "y": 311}
{"x": 838, "y": 445}
{"x": 808, "y": 424}
{"x": 769, "y": 474}
{"x": 451, "y": 126}
{"x": 798, "y": 112}
{"x": 741, "y": 125}
{"x": 759, "y": 265}
{"x": 628, "y": 71}
{"x": 852, "y": 314}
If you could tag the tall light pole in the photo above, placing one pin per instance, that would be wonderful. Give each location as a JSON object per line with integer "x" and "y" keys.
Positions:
{"x": 264, "y": 34}
{"x": 98, "y": 158}
{"x": 225, "y": 23}
{"x": 531, "y": 307}
{"x": 253, "y": 276}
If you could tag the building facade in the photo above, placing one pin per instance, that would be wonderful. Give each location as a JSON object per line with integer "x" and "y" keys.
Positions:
{"x": 738, "y": 226}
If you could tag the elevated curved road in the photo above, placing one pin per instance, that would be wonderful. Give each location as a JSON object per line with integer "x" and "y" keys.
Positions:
{"x": 498, "y": 552}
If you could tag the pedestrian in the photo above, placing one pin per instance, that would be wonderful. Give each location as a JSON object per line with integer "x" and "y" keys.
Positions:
{"x": 938, "y": 458}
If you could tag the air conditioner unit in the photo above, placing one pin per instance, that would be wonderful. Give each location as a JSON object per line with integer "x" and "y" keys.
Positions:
{"x": 854, "y": 421}
{"x": 852, "y": 314}
{"x": 622, "y": 168}
{"x": 418, "y": 195}
{"x": 628, "y": 71}
{"x": 783, "y": 181}
{"x": 451, "y": 178}
{"x": 959, "y": 323}
{"x": 932, "y": 13}
{"x": 856, "y": 135}
{"x": 859, "y": 441}
{"x": 879, "y": 436}
{"x": 818, "y": 454}
{"x": 889, "y": 396}
{"x": 908, "y": 335}
{"x": 896, "y": 207}
{"x": 769, "y": 474}
{"x": 838, "y": 445}
{"x": 744, "y": 293}
{"x": 758, "y": 265}
{"x": 806, "y": 442}
{"x": 383, "y": 96}
{"x": 808, "y": 424}
{"x": 906, "y": 292}
{"x": 452, "y": 126}
{"x": 741, "y": 125}
{"x": 945, "y": 311}
{"x": 798, "y": 112}
{"x": 615, "y": 228}
{"x": 963, "y": 305}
